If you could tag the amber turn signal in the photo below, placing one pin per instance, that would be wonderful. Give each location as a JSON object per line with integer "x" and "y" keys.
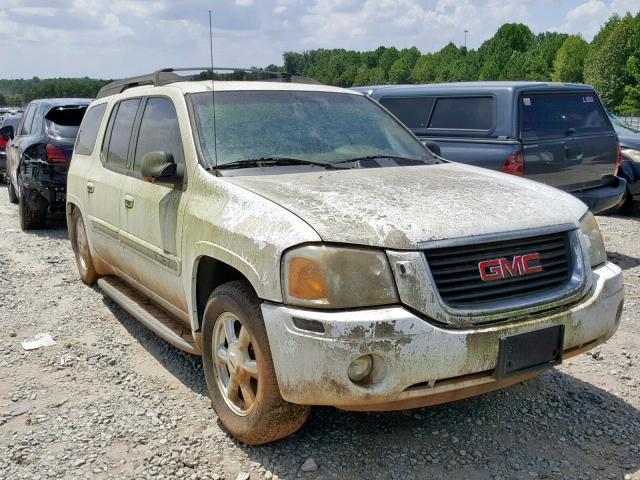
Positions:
{"x": 306, "y": 280}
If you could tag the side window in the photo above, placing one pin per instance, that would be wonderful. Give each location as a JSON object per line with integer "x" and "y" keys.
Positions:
{"x": 27, "y": 120}
{"x": 89, "y": 129}
{"x": 120, "y": 126}
{"x": 412, "y": 111}
{"x": 38, "y": 120}
{"x": 159, "y": 131}
{"x": 469, "y": 113}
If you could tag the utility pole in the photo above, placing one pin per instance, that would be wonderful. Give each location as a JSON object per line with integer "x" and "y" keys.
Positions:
{"x": 465, "y": 39}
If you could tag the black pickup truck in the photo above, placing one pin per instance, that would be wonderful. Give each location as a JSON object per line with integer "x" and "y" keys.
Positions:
{"x": 558, "y": 134}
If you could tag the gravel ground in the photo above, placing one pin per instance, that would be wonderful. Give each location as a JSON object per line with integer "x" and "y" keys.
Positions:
{"x": 111, "y": 400}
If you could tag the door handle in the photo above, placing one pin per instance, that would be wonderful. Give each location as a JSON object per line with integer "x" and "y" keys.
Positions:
{"x": 91, "y": 187}
{"x": 128, "y": 201}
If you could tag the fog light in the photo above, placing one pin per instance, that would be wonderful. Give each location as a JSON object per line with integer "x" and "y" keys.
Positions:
{"x": 360, "y": 368}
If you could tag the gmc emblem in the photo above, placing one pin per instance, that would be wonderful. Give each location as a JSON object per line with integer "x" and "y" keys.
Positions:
{"x": 500, "y": 268}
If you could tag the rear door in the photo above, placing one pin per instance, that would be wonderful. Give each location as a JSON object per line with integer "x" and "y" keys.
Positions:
{"x": 568, "y": 141}
{"x": 104, "y": 182}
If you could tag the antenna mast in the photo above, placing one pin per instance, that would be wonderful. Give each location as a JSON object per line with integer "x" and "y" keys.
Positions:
{"x": 213, "y": 94}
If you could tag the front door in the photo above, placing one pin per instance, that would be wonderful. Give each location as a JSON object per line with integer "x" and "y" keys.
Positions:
{"x": 151, "y": 214}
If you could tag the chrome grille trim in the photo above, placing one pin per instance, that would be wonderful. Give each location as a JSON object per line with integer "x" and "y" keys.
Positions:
{"x": 420, "y": 290}
{"x": 456, "y": 275}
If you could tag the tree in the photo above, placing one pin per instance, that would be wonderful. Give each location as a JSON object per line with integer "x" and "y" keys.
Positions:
{"x": 568, "y": 65}
{"x": 400, "y": 71}
{"x": 631, "y": 102}
{"x": 496, "y": 52}
{"x": 538, "y": 60}
{"x": 596, "y": 45}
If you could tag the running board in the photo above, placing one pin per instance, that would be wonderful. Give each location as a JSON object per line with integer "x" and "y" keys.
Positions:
{"x": 149, "y": 314}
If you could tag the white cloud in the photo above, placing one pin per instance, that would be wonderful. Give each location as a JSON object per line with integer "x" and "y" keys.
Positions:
{"x": 588, "y": 17}
{"x": 123, "y": 37}
{"x": 403, "y": 23}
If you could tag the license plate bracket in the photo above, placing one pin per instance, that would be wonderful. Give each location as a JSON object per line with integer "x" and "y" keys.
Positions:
{"x": 530, "y": 351}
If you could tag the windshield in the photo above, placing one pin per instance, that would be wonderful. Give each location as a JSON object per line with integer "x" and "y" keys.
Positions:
{"x": 321, "y": 127}
{"x": 620, "y": 126}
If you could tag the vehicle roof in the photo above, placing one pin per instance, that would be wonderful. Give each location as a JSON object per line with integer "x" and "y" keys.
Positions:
{"x": 228, "y": 86}
{"x": 489, "y": 86}
{"x": 55, "y": 102}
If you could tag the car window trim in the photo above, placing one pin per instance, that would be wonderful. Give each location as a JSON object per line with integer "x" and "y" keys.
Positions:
{"x": 109, "y": 132}
{"x": 93, "y": 148}
{"x": 536, "y": 138}
{"x": 139, "y": 125}
{"x": 484, "y": 131}
{"x": 22, "y": 127}
{"x": 133, "y": 145}
{"x": 196, "y": 133}
{"x": 410, "y": 97}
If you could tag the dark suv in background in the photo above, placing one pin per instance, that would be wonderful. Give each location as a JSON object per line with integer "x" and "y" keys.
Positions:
{"x": 558, "y": 134}
{"x": 38, "y": 158}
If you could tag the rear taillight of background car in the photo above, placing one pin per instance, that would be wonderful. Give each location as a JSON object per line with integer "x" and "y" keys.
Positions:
{"x": 3, "y": 142}
{"x": 618, "y": 160}
{"x": 55, "y": 155}
{"x": 514, "y": 164}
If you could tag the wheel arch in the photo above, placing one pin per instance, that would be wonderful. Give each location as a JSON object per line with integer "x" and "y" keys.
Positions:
{"x": 209, "y": 273}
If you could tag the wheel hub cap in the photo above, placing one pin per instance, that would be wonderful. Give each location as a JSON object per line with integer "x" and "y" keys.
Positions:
{"x": 235, "y": 364}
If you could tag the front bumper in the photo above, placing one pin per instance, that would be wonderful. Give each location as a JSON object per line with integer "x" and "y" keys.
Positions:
{"x": 415, "y": 362}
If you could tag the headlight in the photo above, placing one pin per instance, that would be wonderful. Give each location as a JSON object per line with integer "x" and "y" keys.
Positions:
{"x": 632, "y": 154}
{"x": 595, "y": 245}
{"x": 332, "y": 277}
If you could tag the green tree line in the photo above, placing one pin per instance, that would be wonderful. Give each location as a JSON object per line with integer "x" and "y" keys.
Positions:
{"x": 22, "y": 91}
{"x": 610, "y": 62}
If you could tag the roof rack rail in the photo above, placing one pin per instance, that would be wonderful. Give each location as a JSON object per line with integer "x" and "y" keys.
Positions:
{"x": 167, "y": 76}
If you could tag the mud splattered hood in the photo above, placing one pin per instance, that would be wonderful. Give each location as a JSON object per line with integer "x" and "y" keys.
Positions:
{"x": 401, "y": 207}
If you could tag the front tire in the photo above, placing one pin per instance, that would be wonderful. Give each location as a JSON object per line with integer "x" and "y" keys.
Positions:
{"x": 30, "y": 219}
{"x": 81, "y": 249}
{"x": 239, "y": 371}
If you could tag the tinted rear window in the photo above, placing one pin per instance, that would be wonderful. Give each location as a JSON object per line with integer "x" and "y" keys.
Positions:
{"x": 64, "y": 122}
{"x": 413, "y": 112}
{"x": 463, "y": 113}
{"x": 89, "y": 129}
{"x": 559, "y": 115}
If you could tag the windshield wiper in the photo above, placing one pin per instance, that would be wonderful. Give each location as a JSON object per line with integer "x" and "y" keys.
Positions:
{"x": 271, "y": 161}
{"x": 375, "y": 157}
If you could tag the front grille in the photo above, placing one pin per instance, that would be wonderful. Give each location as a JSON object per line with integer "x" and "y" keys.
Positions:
{"x": 457, "y": 277}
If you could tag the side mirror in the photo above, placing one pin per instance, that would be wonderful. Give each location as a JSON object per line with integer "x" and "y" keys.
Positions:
{"x": 433, "y": 147}
{"x": 161, "y": 168}
{"x": 7, "y": 132}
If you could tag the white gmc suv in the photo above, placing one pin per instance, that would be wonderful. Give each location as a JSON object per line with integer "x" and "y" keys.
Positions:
{"x": 307, "y": 245}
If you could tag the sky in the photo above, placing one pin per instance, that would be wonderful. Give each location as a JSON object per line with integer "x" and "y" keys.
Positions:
{"x": 119, "y": 38}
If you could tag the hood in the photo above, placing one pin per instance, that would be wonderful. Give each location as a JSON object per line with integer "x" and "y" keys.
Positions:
{"x": 400, "y": 207}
